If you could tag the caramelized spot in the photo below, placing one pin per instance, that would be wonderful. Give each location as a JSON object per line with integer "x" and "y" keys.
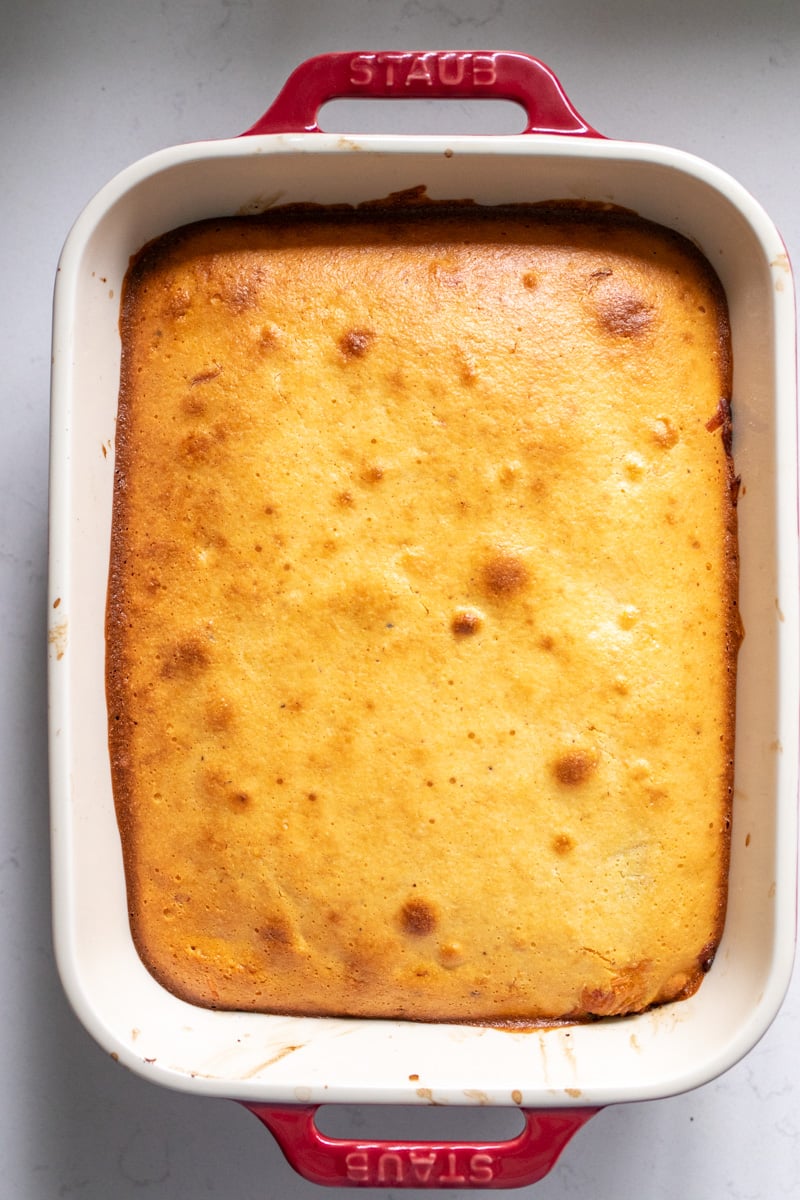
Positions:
{"x": 219, "y": 715}
{"x": 626, "y": 991}
{"x": 467, "y": 369}
{"x": 212, "y": 540}
{"x": 509, "y": 473}
{"x": 706, "y": 957}
{"x": 193, "y": 405}
{"x": 160, "y": 552}
{"x": 600, "y": 1002}
{"x": 199, "y": 446}
{"x": 356, "y": 342}
{"x": 466, "y": 621}
{"x": 269, "y": 337}
{"x": 665, "y": 433}
{"x": 621, "y": 312}
{"x": 504, "y": 575}
{"x": 372, "y": 473}
{"x": 640, "y": 769}
{"x": 186, "y": 659}
{"x": 417, "y": 918}
{"x": 219, "y": 789}
{"x": 628, "y": 616}
{"x": 563, "y": 843}
{"x": 530, "y": 280}
{"x": 177, "y": 303}
{"x": 345, "y": 500}
{"x": 722, "y": 420}
{"x": 445, "y": 271}
{"x": 206, "y": 375}
{"x": 575, "y": 766}
{"x": 451, "y": 954}
{"x": 240, "y": 292}
{"x": 275, "y": 932}
{"x": 633, "y": 466}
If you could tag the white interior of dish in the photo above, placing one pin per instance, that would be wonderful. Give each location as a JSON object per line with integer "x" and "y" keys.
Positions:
{"x": 314, "y": 1060}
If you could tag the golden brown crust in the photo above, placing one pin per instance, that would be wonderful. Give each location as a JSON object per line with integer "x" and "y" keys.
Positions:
{"x": 422, "y": 622}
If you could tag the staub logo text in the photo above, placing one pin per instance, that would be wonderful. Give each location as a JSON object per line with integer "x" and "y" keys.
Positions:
{"x": 408, "y": 1167}
{"x": 400, "y": 71}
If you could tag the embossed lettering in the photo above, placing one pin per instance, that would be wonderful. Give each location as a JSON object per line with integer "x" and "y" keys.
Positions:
{"x": 484, "y": 71}
{"x": 419, "y": 71}
{"x": 481, "y": 1168}
{"x": 390, "y": 61}
{"x": 357, "y": 1166}
{"x": 451, "y": 1174}
{"x": 390, "y": 1168}
{"x": 451, "y": 69}
{"x": 422, "y": 1164}
{"x": 401, "y": 1166}
{"x": 405, "y": 69}
{"x": 362, "y": 69}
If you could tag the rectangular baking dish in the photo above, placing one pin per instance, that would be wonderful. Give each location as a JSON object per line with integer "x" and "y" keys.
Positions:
{"x": 284, "y": 1067}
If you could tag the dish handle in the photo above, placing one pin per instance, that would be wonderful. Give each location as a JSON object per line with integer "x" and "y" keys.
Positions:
{"x": 343, "y": 1162}
{"x": 433, "y": 74}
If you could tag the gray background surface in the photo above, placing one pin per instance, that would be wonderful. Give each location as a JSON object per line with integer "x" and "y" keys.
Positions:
{"x": 89, "y": 86}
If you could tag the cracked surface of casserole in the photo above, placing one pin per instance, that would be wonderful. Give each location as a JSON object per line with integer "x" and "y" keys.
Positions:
{"x": 422, "y": 620}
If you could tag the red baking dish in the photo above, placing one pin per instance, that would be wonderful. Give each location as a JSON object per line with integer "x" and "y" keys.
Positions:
{"x": 284, "y": 1068}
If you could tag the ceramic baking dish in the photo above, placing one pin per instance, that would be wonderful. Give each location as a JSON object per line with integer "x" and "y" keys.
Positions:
{"x": 282, "y": 1067}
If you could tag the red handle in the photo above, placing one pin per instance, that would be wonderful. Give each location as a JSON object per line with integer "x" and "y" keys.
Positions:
{"x": 339, "y": 1162}
{"x": 436, "y": 74}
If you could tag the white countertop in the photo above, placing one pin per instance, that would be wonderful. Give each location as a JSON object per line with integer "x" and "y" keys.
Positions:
{"x": 88, "y": 86}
